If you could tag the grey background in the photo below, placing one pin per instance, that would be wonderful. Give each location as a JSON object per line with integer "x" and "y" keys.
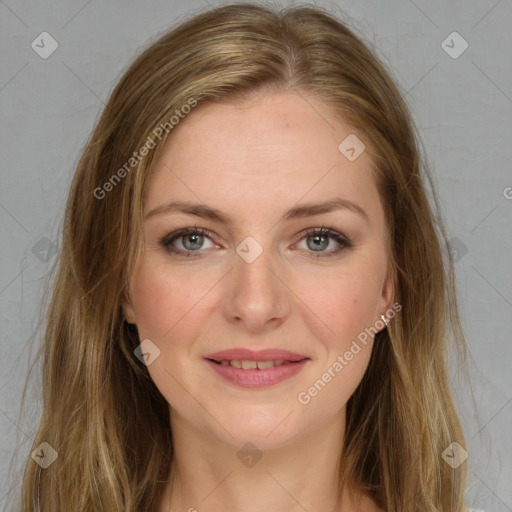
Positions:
{"x": 462, "y": 106}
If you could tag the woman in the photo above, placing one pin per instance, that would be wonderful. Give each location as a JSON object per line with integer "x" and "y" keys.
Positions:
{"x": 252, "y": 306}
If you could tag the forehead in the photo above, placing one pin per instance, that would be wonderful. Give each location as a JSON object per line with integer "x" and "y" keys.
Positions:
{"x": 259, "y": 156}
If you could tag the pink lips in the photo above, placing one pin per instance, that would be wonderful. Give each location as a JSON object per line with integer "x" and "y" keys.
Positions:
{"x": 256, "y": 378}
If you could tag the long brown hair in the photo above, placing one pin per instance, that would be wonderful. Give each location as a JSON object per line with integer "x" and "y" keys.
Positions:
{"x": 401, "y": 417}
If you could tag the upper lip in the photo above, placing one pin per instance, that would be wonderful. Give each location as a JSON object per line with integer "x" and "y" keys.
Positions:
{"x": 243, "y": 354}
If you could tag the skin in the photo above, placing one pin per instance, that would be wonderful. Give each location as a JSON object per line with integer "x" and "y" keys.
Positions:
{"x": 254, "y": 161}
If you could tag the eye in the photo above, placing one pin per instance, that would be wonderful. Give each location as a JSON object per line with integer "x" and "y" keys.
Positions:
{"x": 317, "y": 239}
{"x": 192, "y": 240}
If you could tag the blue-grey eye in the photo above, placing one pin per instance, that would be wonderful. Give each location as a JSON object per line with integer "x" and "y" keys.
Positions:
{"x": 196, "y": 241}
{"x": 320, "y": 242}
{"x": 192, "y": 240}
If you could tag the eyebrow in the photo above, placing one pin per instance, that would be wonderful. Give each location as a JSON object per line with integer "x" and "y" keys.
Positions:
{"x": 304, "y": 210}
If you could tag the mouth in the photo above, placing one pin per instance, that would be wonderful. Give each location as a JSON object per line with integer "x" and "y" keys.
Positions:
{"x": 253, "y": 365}
{"x": 253, "y": 374}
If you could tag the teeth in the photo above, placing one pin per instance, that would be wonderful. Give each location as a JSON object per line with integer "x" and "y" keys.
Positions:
{"x": 265, "y": 365}
{"x": 252, "y": 365}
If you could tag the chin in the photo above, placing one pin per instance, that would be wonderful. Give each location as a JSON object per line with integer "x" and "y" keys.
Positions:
{"x": 263, "y": 428}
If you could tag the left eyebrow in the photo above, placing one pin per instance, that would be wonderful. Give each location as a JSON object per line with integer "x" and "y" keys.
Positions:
{"x": 304, "y": 210}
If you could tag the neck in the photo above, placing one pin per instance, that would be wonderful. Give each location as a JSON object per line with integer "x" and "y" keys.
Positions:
{"x": 300, "y": 474}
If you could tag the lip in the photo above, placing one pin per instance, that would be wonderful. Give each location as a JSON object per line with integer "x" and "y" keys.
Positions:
{"x": 242, "y": 354}
{"x": 254, "y": 379}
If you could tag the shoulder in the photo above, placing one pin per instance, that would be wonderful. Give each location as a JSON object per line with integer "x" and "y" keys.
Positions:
{"x": 474, "y": 510}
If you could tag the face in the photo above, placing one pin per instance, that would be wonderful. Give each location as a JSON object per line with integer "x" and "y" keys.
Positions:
{"x": 256, "y": 278}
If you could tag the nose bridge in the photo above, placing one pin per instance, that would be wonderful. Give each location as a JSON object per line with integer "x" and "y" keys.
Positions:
{"x": 256, "y": 293}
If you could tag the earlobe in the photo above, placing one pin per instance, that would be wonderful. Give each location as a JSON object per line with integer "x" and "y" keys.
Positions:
{"x": 129, "y": 315}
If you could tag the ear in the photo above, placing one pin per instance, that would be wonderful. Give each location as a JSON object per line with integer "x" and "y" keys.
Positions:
{"x": 129, "y": 313}
{"x": 387, "y": 295}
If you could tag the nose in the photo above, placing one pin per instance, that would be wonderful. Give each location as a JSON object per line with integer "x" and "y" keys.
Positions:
{"x": 256, "y": 293}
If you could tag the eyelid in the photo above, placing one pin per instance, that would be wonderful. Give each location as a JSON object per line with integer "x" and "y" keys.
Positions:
{"x": 324, "y": 230}
{"x": 185, "y": 231}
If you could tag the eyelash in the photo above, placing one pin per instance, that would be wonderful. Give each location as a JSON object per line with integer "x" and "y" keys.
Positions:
{"x": 344, "y": 242}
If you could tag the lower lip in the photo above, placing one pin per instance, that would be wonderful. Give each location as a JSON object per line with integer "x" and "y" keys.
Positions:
{"x": 254, "y": 379}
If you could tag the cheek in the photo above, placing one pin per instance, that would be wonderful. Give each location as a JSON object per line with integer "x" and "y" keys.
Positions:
{"x": 345, "y": 303}
{"x": 161, "y": 298}
{"x": 165, "y": 301}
